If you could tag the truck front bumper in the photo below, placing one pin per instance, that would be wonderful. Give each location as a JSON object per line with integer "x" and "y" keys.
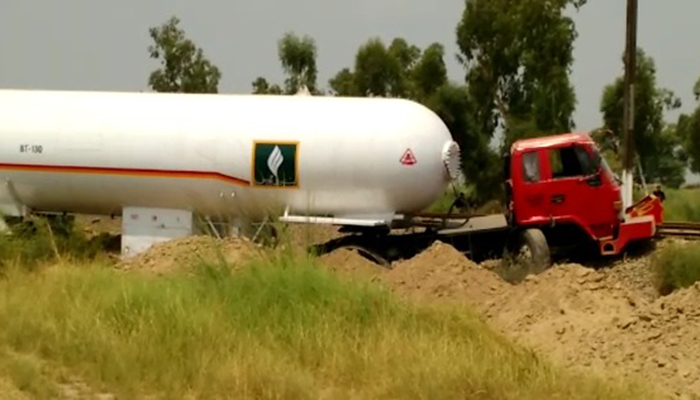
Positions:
{"x": 634, "y": 229}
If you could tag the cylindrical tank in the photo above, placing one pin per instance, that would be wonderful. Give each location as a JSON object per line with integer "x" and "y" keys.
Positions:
{"x": 220, "y": 155}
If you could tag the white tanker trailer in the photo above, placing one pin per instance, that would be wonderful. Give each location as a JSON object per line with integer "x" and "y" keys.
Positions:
{"x": 159, "y": 160}
{"x": 369, "y": 165}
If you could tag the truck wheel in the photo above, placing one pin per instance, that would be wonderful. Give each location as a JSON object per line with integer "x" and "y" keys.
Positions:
{"x": 532, "y": 251}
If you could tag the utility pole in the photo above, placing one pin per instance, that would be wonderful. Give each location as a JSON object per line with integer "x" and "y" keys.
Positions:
{"x": 628, "y": 117}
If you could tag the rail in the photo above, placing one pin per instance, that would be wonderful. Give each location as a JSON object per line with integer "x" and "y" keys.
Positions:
{"x": 686, "y": 230}
{"x": 678, "y": 229}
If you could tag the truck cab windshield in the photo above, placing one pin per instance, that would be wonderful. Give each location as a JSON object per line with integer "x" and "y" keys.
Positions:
{"x": 600, "y": 163}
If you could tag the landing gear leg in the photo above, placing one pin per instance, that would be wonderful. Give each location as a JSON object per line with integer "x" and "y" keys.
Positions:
{"x": 354, "y": 242}
{"x": 266, "y": 234}
{"x": 370, "y": 254}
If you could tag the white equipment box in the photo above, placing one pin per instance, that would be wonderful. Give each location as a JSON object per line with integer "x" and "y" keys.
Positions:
{"x": 143, "y": 227}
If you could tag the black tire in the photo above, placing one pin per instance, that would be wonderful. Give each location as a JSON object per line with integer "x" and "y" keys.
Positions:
{"x": 532, "y": 251}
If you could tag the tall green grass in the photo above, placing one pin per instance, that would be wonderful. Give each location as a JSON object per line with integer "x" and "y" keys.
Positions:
{"x": 280, "y": 328}
{"x": 283, "y": 327}
{"x": 676, "y": 267}
{"x": 682, "y": 205}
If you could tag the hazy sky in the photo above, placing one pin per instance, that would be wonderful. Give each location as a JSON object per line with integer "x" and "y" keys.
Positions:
{"x": 101, "y": 45}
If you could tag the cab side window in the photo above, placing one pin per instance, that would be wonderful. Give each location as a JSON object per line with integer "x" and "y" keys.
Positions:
{"x": 531, "y": 167}
{"x": 569, "y": 162}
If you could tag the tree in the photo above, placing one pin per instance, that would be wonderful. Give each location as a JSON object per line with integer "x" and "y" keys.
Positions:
{"x": 689, "y": 131}
{"x": 343, "y": 83}
{"x": 298, "y": 57}
{"x": 377, "y": 72}
{"x": 400, "y": 70}
{"x": 183, "y": 66}
{"x": 657, "y": 145}
{"x": 430, "y": 73}
{"x": 406, "y": 56}
{"x": 261, "y": 86}
{"x": 517, "y": 57}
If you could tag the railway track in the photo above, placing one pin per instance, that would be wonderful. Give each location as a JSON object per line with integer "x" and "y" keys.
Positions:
{"x": 679, "y": 229}
{"x": 686, "y": 230}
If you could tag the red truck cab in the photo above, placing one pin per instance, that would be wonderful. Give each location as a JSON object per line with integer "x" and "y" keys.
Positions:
{"x": 562, "y": 186}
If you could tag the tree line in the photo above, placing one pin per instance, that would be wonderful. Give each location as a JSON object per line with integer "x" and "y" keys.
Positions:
{"x": 517, "y": 59}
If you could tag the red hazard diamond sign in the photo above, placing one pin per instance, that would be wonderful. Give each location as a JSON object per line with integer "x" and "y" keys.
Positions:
{"x": 408, "y": 158}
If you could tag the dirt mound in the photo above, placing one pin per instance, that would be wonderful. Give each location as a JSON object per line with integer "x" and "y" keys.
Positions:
{"x": 608, "y": 321}
{"x": 566, "y": 311}
{"x": 668, "y": 330}
{"x": 350, "y": 262}
{"x": 586, "y": 319}
{"x": 685, "y": 301}
{"x": 443, "y": 273}
{"x": 634, "y": 274}
{"x": 187, "y": 252}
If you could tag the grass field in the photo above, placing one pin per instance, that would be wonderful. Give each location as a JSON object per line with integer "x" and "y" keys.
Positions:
{"x": 676, "y": 267}
{"x": 281, "y": 327}
{"x": 682, "y": 205}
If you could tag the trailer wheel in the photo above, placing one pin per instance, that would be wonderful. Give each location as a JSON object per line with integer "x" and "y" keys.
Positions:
{"x": 532, "y": 251}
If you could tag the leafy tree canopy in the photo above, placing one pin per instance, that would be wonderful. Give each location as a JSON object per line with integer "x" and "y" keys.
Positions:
{"x": 689, "y": 131}
{"x": 183, "y": 68}
{"x": 398, "y": 70}
{"x": 518, "y": 55}
{"x": 343, "y": 83}
{"x": 261, "y": 86}
{"x": 657, "y": 145}
{"x": 298, "y": 57}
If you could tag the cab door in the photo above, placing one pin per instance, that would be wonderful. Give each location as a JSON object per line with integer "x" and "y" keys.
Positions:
{"x": 529, "y": 198}
{"x": 575, "y": 190}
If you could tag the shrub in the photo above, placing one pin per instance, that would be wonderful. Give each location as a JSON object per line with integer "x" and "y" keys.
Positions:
{"x": 38, "y": 240}
{"x": 676, "y": 267}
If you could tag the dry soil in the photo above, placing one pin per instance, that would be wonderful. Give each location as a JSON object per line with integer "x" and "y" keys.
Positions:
{"x": 607, "y": 321}
{"x": 186, "y": 253}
